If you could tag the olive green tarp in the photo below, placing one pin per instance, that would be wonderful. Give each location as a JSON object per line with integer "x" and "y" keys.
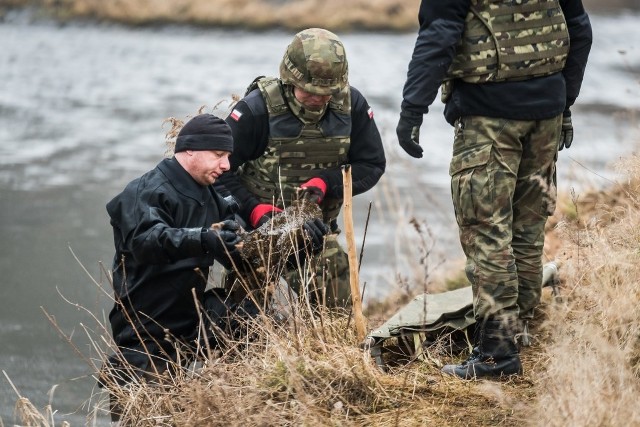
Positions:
{"x": 430, "y": 312}
{"x": 429, "y": 316}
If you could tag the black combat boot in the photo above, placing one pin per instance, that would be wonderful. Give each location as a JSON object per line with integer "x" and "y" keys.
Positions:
{"x": 494, "y": 355}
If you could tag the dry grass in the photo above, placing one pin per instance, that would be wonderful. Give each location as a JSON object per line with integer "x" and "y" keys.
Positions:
{"x": 592, "y": 367}
{"x": 336, "y": 15}
{"x": 314, "y": 374}
{"x": 583, "y": 368}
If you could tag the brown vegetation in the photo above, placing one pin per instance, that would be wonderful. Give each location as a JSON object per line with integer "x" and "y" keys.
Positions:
{"x": 335, "y": 15}
{"x": 591, "y": 367}
{"x": 582, "y": 369}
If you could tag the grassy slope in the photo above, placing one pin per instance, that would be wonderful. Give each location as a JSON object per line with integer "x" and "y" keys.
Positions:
{"x": 592, "y": 360}
{"x": 583, "y": 368}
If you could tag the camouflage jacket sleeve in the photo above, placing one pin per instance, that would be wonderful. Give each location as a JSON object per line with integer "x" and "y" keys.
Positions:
{"x": 580, "y": 36}
{"x": 441, "y": 26}
{"x": 366, "y": 153}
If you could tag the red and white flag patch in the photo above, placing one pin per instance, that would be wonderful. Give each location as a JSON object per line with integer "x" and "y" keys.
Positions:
{"x": 370, "y": 113}
{"x": 235, "y": 115}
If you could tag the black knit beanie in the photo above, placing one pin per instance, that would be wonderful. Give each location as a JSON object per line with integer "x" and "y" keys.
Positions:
{"x": 205, "y": 132}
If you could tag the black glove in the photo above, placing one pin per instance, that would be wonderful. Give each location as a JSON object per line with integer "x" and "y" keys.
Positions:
{"x": 222, "y": 242}
{"x": 264, "y": 219}
{"x": 314, "y": 231}
{"x": 232, "y": 204}
{"x": 566, "y": 135}
{"x": 313, "y": 190}
{"x": 408, "y": 131}
{"x": 262, "y": 214}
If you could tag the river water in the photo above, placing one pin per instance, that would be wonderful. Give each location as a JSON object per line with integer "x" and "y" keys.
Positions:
{"x": 81, "y": 113}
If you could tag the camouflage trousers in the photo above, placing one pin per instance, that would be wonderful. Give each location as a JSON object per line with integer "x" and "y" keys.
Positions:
{"x": 503, "y": 186}
{"x": 325, "y": 277}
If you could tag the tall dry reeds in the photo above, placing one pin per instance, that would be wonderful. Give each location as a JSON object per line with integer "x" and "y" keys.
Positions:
{"x": 591, "y": 370}
{"x": 304, "y": 366}
{"x": 307, "y": 368}
{"x": 336, "y": 15}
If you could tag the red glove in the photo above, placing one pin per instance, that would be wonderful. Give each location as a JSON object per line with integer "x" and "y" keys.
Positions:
{"x": 314, "y": 190}
{"x": 262, "y": 213}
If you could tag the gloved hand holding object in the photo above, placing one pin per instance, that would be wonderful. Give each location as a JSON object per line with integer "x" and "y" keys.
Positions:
{"x": 315, "y": 230}
{"x": 262, "y": 213}
{"x": 314, "y": 190}
{"x": 221, "y": 240}
{"x": 566, "y": 135}
{"x": 311, "y": 241}
{"x": 408, "y": 131}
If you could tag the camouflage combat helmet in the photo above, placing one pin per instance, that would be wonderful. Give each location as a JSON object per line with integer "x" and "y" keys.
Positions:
{"x": 315, "y": 61}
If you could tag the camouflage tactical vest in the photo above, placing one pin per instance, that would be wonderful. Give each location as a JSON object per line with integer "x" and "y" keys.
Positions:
{"x": 510, "y": 40}
{"x": 296, "y": 152}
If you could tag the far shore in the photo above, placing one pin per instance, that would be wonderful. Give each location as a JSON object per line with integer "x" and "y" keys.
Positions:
{"x": 336, "y": 15}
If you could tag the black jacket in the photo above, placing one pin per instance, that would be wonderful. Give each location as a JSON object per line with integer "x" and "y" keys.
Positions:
{"x": 157, "y": 222}
{"x": 251, "y": 137}
{"x": 441, "y": 27}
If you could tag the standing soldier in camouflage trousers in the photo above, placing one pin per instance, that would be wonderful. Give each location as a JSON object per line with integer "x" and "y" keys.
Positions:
{"x": 292, "y": 135}
{"x": 509, "y": 71}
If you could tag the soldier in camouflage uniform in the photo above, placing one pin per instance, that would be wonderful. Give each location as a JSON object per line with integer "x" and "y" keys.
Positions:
{"x": 510, "y": 71}
{"x": 292, "y": 134}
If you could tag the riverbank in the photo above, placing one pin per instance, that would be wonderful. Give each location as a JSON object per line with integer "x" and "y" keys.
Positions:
{"x": 356, "y": 15}
{"x": 337, "y": 15}
{"x": 582, "y": 368}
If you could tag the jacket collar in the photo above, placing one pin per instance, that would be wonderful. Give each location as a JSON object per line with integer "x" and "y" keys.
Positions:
{"x": 182, "y": 181}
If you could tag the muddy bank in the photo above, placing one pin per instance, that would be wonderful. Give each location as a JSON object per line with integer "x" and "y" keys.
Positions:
{"x": 337, "y": 15}
{"x": 611, "y": 6}
{"x": 359, "y": 15}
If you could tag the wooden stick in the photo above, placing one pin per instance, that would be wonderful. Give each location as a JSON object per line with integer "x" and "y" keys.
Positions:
{"x": 354, "y": 280}
{"x": 364, "y": 238}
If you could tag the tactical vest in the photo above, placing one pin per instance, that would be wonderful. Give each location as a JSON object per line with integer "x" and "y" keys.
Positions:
{"x": 296, "y": 152}
{"x": 510, "y": 40}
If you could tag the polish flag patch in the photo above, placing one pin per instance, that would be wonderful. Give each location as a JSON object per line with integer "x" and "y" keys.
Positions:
{"x": 370, "y": 113}
{"x": 235, "y": 115}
